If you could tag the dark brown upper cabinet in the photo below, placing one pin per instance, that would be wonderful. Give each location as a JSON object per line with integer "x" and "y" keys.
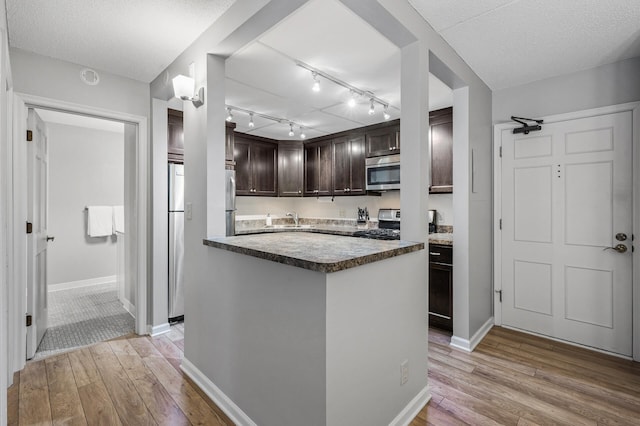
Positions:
{"x": 256, "y": 165}
{"x": 228, "y": 143}
{"x": 175, "y": 136}
{"x": 349, "y": 165}
{"x": 383, "y": 139}
{"x": 290, "y": 169}
{"x": 318, "y": 168}
{"x": 441, "y": 128}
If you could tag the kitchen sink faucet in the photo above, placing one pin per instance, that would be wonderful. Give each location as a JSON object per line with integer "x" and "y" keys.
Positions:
{"x": 294, "y": 215}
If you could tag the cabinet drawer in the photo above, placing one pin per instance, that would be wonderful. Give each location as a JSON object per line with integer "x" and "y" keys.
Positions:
{"x": 440, "y": 254}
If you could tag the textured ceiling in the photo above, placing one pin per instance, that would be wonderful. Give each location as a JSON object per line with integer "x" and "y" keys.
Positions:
{"x": 132, "y": 38}
{"x": 263, "y": 76}
{"x": 508, "y": 43}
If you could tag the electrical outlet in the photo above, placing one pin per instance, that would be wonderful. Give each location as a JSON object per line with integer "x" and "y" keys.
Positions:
{"x": 404, "y": 372}
{"x": 188, "y": 211}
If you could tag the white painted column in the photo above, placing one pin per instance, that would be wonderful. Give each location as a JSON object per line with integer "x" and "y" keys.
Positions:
{"x": 215, "y": 146}
{"x": 414, "y": 153}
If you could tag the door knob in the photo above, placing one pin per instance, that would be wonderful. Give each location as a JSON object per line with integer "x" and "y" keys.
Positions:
{"x": 50, "y": 238}
{"x": 621, "y": 236}
{"x": 620, "y": 248}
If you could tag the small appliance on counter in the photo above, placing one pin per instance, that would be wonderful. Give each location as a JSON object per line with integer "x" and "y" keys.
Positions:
{"x": 433, "y": 218}
{"x": 363, "y": 215}
{"x": 388, "y": 226}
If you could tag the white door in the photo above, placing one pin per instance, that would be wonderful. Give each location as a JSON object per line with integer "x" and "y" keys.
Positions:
{"x": 566, "y": 200}
{"x": 37, "y": 240}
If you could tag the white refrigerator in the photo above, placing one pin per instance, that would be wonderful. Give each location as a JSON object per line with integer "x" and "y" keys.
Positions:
{"x": 176, "y": 242}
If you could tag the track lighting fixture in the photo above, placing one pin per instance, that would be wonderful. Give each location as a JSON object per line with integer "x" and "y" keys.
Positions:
{"x": 353, "y": 91}
{"x": 278, "y": 120}
{"x": 385, "y": 113}
{"x": 352, "y": 99}
{"x": 316, "y": 83}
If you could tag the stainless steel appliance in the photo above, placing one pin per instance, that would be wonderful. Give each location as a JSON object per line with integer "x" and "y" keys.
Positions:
{"x": 230, "y": 201}
{"x": 388, "y": 226}
{"x": 176, "y": 242}
{"x": 433, "y": 218}
{"x": 383, "y": 173}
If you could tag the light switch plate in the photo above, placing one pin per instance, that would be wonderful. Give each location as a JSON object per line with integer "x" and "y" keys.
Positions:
{"x": 188, "y": 211}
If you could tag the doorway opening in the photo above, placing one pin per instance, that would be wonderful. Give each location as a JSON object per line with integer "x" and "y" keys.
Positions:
{"x": 89, "y": 298}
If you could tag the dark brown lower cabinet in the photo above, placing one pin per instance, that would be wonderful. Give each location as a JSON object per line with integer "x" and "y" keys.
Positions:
{"x": 440, "y": 286}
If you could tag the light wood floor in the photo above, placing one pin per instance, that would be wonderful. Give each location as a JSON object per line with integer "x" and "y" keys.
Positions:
{"x": 518, "y": 379}
{"x": 511, "y": 379}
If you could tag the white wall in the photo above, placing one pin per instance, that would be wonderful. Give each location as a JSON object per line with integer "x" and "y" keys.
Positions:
{"x": 443, "y": 204}
{"x": 323, "y": 207}
{"x": 5, "y": 168}
{"x": 609, "y": 84}
{"x": 86, "y": 167}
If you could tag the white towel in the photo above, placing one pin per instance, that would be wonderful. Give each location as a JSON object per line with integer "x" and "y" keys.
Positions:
{"x": 100, "y": 221}
{"x": 118, "y": 219}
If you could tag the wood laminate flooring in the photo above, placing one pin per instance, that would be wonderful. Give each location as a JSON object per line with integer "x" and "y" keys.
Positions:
{"x": 511, "y": 379}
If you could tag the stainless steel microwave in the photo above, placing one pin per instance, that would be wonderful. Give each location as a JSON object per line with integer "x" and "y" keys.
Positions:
{"x": 383, "y": 173}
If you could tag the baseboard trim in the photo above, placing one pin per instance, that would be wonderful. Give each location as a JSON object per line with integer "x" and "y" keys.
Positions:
{"x": 129, "y": 307}
{"x": 470, "y": 345}
{"x": 157, "y": 330}
{"x": 235, "y": 414}
{"x": 81, "y": 283}
{"x": 412, "y": 409}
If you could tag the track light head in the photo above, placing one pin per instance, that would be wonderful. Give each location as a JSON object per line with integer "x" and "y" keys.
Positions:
{"x": 302, "y": 134}
{"x": 372, "y": 107}
{"x": 316, "y": 82}
{"x": 352, "y": 99}
{"x": 229, "y": 115}
{"x": 385, "y": 113}
{"x": 291, "y": 133}
{"x": 251, "y": 123}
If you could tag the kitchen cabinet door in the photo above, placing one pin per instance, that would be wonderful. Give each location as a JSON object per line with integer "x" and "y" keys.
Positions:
{"x": 318, "y": 168}
{"x": 383, "y": 141}
{"x": 264, "y": 168}
{"x": 175, "y": 136}
{"x": 349, "y": 166}
{"x": 440, "y": 287}
{"x": 290, "y": 170}
{"x": 441, "y": 128}
{"x": 241, "y": 150}
{"x": 228, "y": 145}
{"x": 256, "y": 167}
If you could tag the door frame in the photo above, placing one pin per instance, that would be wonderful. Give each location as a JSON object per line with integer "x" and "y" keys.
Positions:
{"x": 139, "y": 211}
{"x": 634, "y": 107}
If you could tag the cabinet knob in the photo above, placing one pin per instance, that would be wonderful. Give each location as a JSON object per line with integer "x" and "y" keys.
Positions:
{"x": 299, "y": 191}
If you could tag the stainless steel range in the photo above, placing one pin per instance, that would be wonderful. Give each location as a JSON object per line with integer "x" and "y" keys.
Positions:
{"x": 388, "y": 226}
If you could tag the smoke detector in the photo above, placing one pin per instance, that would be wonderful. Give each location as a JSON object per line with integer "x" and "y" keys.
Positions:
{"x": 89, "y": 76}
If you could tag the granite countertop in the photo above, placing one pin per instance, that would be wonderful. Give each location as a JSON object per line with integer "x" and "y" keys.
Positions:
{"x": 314, "y": 251}
{"x": 320, "y": 229}
{"x": 444, "y": 238}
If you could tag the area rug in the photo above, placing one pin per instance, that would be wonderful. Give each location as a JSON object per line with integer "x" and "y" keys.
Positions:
{"x": 83, "y": 316}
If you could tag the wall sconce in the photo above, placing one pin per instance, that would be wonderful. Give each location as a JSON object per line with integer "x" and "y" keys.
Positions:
{"x": 183, "y": 88}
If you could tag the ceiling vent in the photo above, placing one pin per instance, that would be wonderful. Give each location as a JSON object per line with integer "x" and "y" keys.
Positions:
{"x": 89, "y": 76}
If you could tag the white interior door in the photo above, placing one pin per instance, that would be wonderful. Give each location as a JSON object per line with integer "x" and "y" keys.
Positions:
{"x": 37, "y": 240}
{"x": 566, "y": 200}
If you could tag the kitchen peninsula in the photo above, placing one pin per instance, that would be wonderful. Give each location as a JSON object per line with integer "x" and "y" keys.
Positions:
{"x": 310, "y": 328}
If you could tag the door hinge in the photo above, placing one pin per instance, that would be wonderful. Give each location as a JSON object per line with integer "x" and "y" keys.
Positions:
{"x": 29, "y": 135}
{"x": 501, "y": 152}
{"x": 29, "y": 320}
{"x": 29, "y": 227}
{"x": 500, "y": 223}
{"x": 499, "y": 294}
